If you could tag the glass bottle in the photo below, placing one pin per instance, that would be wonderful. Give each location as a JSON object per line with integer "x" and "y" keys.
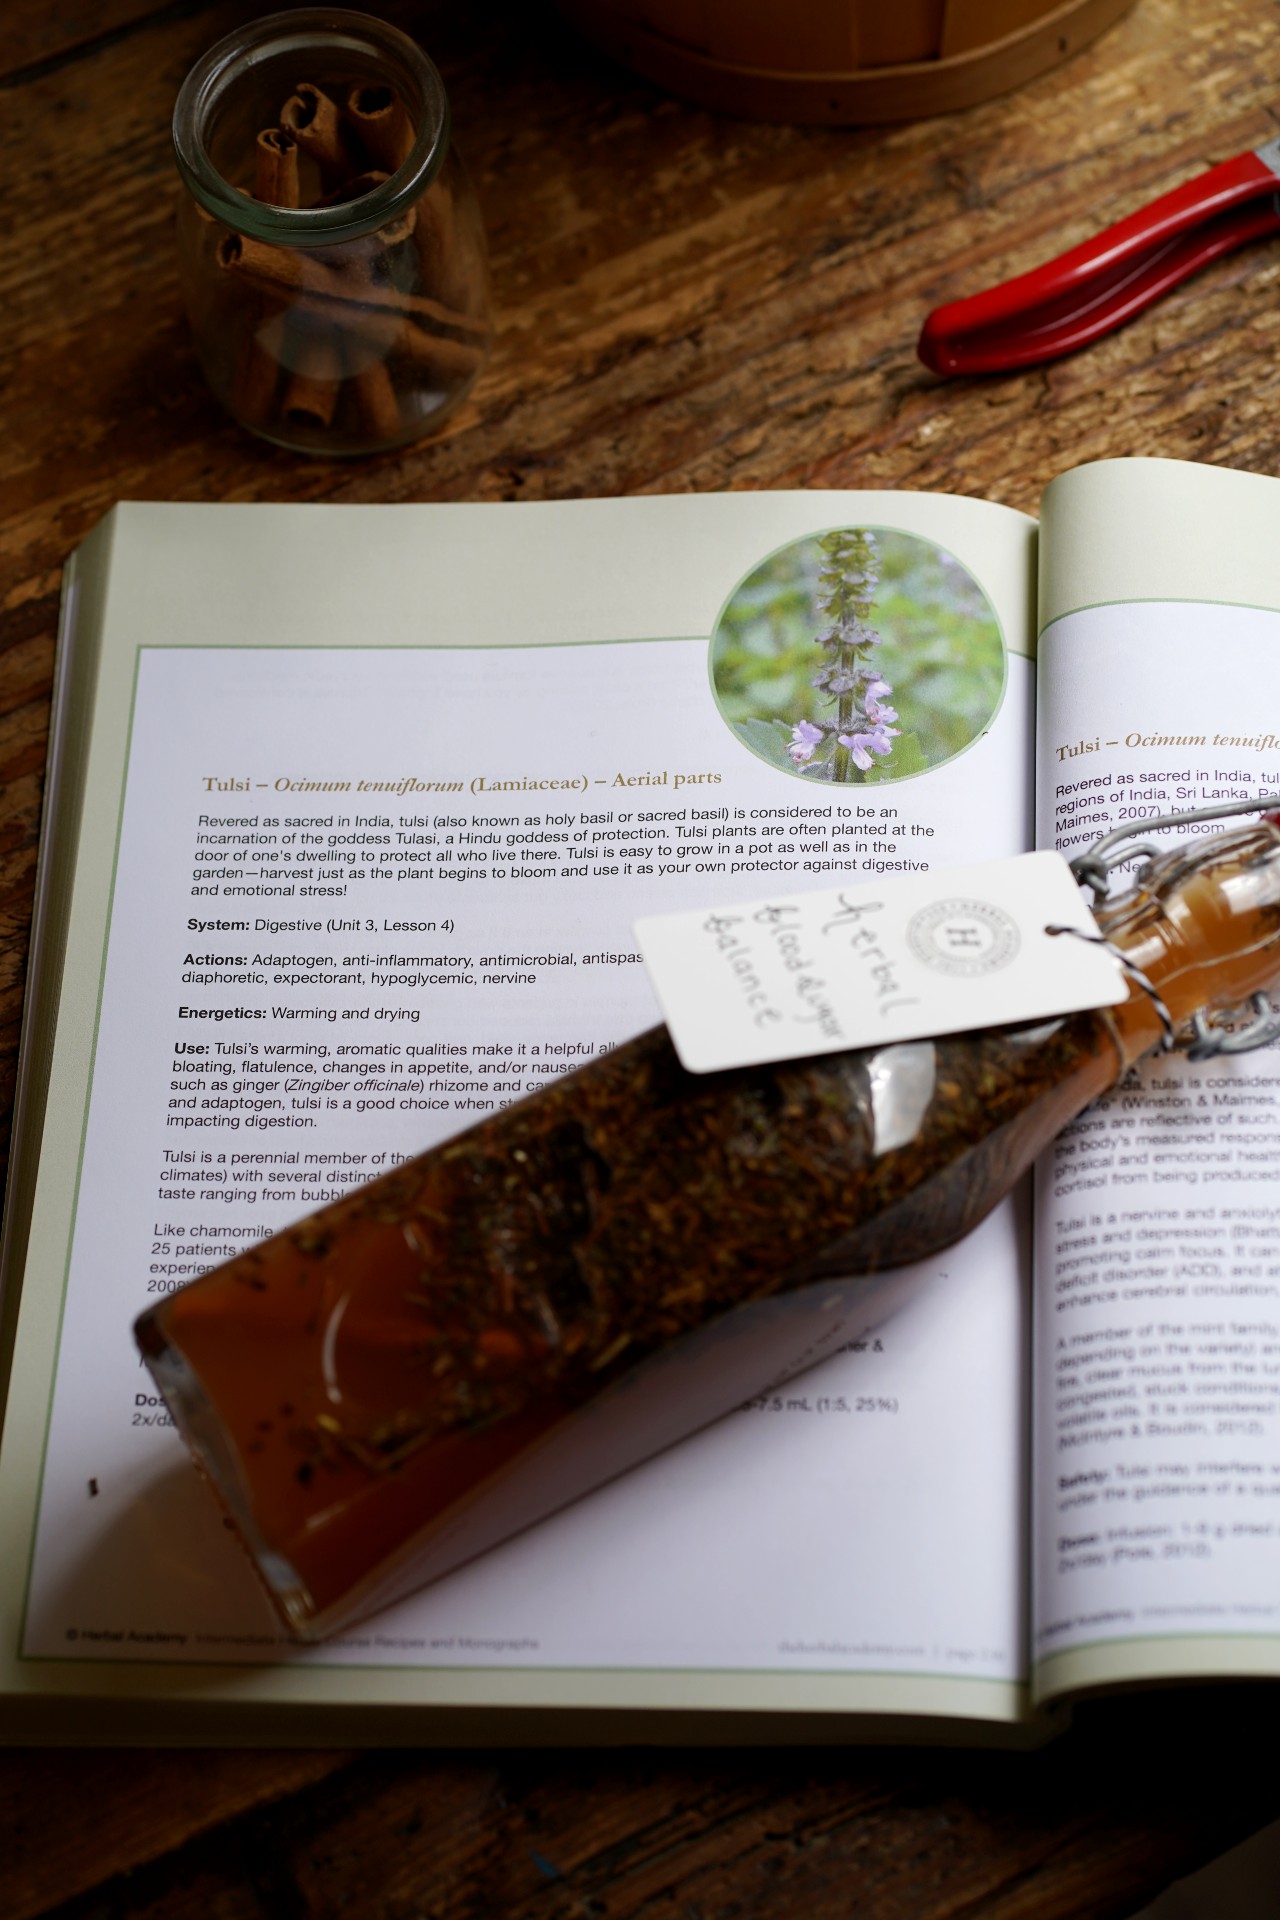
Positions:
{"x": 331, "y": 252}
{"x": 355, "y": 1385}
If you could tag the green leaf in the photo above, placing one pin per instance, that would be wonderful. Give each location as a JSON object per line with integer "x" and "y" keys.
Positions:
{"x": 770, "y": 739}
{"x": 906, "y": 758}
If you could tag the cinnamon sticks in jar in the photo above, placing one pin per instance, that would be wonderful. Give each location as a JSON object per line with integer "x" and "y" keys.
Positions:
{"x": 335, "y": 269}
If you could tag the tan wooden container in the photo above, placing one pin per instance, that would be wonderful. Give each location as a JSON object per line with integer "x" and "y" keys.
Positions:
{"x": 841, "y": 61}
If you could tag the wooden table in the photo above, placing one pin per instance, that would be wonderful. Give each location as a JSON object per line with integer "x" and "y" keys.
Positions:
{"x": 684, "y": 302}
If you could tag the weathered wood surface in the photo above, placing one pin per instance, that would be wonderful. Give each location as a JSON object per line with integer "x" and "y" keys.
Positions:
{"x": 683, "y": 302}
{"x": 1090, "y": 1828}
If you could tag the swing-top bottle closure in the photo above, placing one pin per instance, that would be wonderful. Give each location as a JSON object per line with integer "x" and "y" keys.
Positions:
{"x": 1205, "y": 1034}
{"x": 910, "y": 957}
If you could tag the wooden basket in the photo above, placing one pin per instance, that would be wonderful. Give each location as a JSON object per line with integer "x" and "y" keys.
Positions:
{"x": 841, "y": 61}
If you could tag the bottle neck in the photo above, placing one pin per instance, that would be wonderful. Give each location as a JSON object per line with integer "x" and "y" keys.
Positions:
{"x": 1203, "y": 926}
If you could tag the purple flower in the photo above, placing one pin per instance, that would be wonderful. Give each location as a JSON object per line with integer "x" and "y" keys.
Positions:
{"x": 804, "y": 738}
{"x": 863, "y": 745}
{"x": 848, "y": 578}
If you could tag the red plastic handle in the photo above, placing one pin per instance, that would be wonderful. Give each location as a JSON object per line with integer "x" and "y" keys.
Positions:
{"x": 1100, "y": 284}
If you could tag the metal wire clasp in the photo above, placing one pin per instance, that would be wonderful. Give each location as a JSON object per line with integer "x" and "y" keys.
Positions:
{"x": 1093, "y": 869}
{"x": 1211, "y": 1039}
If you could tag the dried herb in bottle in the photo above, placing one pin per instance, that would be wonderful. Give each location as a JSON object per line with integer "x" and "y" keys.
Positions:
{"x": 357, "y": 1383}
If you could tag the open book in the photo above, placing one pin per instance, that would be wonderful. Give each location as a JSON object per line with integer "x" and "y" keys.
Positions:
{"x": 350, "y": 813}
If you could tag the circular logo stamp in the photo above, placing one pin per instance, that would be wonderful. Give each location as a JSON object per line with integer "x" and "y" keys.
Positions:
{"x": 963, "y": 937}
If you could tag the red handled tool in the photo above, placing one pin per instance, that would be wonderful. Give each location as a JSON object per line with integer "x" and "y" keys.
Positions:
{"x": 1100, "y": 284}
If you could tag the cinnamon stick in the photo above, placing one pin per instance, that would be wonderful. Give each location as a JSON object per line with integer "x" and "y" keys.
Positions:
{"x": 311, "y": 397}
{"x": 384, "y": 320}
{"x": 275, "y": 168}
{"x": 316, "y": 124}
{"x": 353, "y": 188}
{"x": 376, "y": 400}
{"x": 257, "y": 373}
{"x": 447, "y": 360}
{"x": 256, "y": 378}
{"x": 279, "y": 270}
{"x": 377, "y": 404}
{"x": 436, "y": 238}
{"x": 381, "y": 119}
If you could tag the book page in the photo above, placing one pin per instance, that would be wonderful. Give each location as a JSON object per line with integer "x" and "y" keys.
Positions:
{"x": 359, "y": 884}
{"x": 1157, "y": 1304}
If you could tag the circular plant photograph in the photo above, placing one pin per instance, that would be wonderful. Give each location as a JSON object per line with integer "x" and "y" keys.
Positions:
{"x": 860, "y": 655}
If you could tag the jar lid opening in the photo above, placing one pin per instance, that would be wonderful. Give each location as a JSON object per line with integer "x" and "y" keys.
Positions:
{"x": 230, "y": 88}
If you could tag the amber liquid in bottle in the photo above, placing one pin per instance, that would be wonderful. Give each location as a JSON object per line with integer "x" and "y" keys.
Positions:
{"x": 354, "y": 1382}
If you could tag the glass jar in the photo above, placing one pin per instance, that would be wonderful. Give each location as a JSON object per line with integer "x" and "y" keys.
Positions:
{"x": 331, "y": 251}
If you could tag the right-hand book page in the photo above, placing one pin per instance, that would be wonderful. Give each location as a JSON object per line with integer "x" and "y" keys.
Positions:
{"x": 1157, "y": 1315}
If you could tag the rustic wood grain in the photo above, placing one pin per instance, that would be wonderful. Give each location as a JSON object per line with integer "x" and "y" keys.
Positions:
{"x": 71, "y": 1820}
{"x": 1090, "y": 1828}
{"x": 39, "y": 32}
{"x": 683, "y": 302}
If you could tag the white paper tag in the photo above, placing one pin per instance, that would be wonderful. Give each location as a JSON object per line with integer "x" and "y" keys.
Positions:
{"x": 900, "y": 959}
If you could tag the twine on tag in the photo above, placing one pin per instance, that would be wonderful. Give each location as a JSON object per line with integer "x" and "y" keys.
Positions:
{"x": 1131, "y": 972}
